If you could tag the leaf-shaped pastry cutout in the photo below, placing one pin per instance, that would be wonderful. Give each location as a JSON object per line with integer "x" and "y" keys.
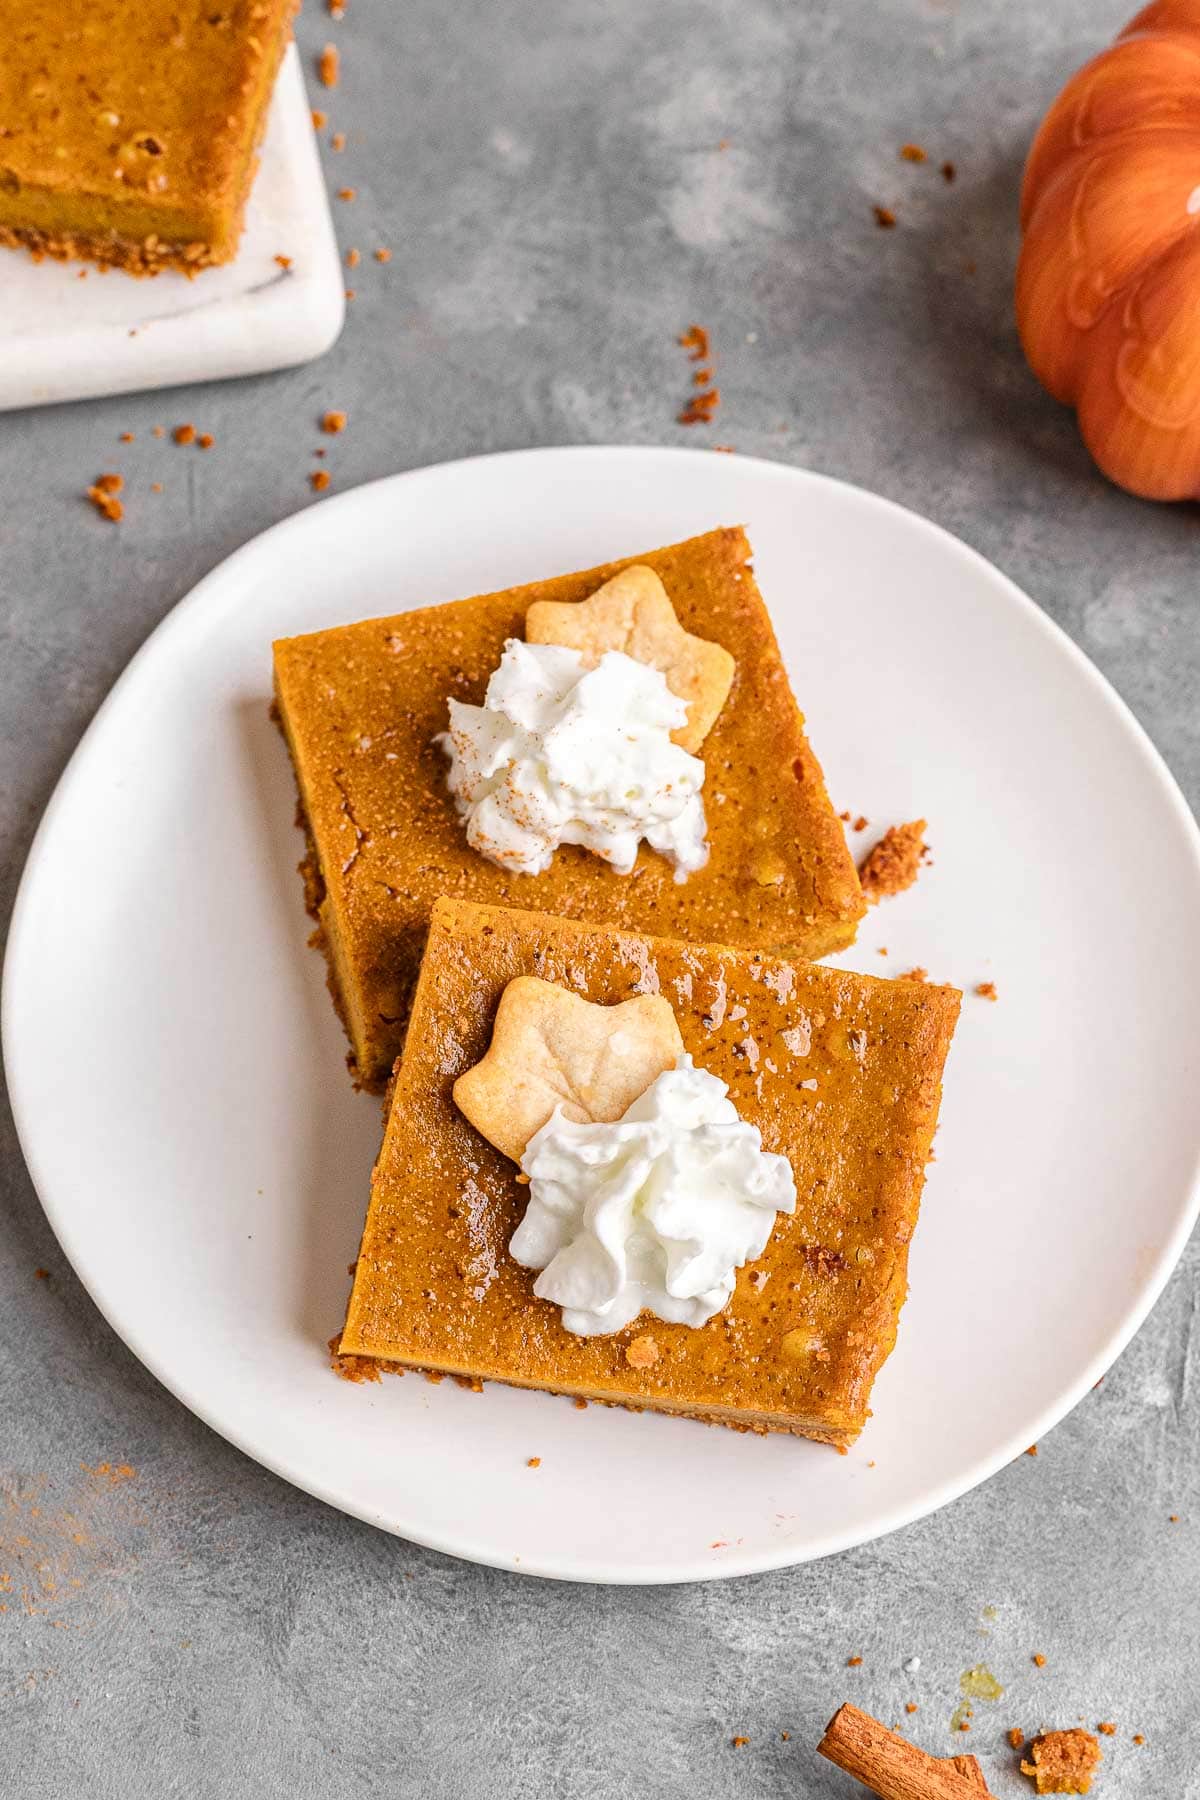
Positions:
{"x": 553, "y": 1048}
{"x": 633, "y": 613}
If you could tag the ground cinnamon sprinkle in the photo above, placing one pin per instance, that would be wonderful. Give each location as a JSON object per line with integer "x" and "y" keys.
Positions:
{"x": 912, "y": 153}
{"x": 285, "y": 262}
{"x": 1016, "y": 1737}
{"x": 333, "y": 422}
{"x": 700, "y": 408}
{"x": 184, "y": 434}
{"x": 695, "y": 341}
{"x": 894, "y": 863}
{"x": 986, "y": 990}
{"x": 320, "y": 479}
{"x": 885, "y": 218}
{"x": 329, "y": 66}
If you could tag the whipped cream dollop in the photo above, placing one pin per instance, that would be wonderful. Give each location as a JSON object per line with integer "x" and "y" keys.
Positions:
{"x": 562, "y": 754}
{"x": 654, "y": 1213}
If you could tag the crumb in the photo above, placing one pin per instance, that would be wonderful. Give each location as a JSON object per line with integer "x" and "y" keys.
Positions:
{"x": 885, "y": 218}
{"x": 882, "y": 950}
{"x": 844, "y": 817}
{"x": 1039, "y": 1660}
{"x": 156, "y": 487}
{"x": 206, "y": 440}
{"x": 82, "y": 275}
{"x": 1107, "y": 1727}
{"x": 329, "y": 67}
{"x": 285, "y": 262}
{"x": 1063, "y": 1762}
{"x": 351, "y": 294}
{"x": 894, "y": 863}
{"x": 1138, "y": 1738}
{"x": 1016, "y": 1737}
{"x": 353, "y": 258}
{"x": 912, "y": 153}
{"x": 910, "y": 1706}
{"x": 159, "y": 431}
{"x": 1032, "y": 1451}
{"x": 353, "y": 1368}
{"x": 320, "y": 120}
{"x": 333, "y": 422}
{"x": 786, "y": 1736}
{"x": 695, "y": 341}
{"x": 319, "y": 480}
{"x": 854, "y": 1662}
{"x": 964, "y": 1724}
{"x": 642, "y": 1353}
{"x": 700, "y": 408}
{"x": 723, "y": 143}
{"x": 184, "y": 434}
{"x": 702, "y": 377}
{"x": 383, "y": 254}
{"x": 320, "y": 452}
{"x": 110, "y": 484}
{"x": 1172, "y": 1518}
{"x": 724, "y": 449}
{"x": 581, "y": 1404}
{"x": 948, "y": 171}
{"x": 127, "y": 437}
{"x": 739, "y": 1743}
{"x": 41, "y": 1274}
{"x": 861, "y": 823}
{"x": 533, "y": 1462}
{"x": 986, "y": 990}
{"x": 106, "y": 503}
{"x": 347, "y": 193}
{"x": 917, "y": 974}
{"x": 336, "y": 8}
{"x": 338, "y": 141}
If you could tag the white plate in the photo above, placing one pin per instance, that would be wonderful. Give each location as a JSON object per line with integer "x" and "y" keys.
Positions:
{"x": 67, "y": 339}
{"x": 178, "y": 1079}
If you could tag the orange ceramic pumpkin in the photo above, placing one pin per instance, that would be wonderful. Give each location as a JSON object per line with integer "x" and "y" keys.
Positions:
{"x": 1108, "y": 287}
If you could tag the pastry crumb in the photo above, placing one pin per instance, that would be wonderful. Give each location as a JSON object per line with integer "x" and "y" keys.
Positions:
{"x": 347, "y": 193}
{"x": 127, "y": 437}
{"x": 912, "y": 153}
{"x": 580, "y": 1404}
{"x": 986, "y": 990}
{"x": 41, "y": 1274}
{"x": 1039, "y": 1661}
{"x": 642, "y": 1353}
{"x": 861, "y": 823}
{"x": 701, "y": 407}
{"x": 156, "y": 487}
{"x": 533, "y": 1462}
{"x": 695, "y": 341}
{"x": 1138, "y": 1738}
{"x": 894, "y": 863}
{"x": 319, "y": 480}
{"x": 917, "y": 974}
{"x": 383, "y": 254}
{"x": 739, "y": 1743}
{"x": 854, "y": 1662}
{"x": 353, "y": 258}
{"x": 159, "y": 431}
{"x": 320, "y": 121}
{"x": 910, "y": 1706}
{"x": 1032, "y": 1451}
{"x": 333, "y": 422}
{"x": 885, "y": 218}
{"x": 285, "y": 262}
{"x": 206, "y": 440}
{"x": 104, "y": 498}
{"x": 1107, "y": 1728}
{"x": 338, "y": 141}
{"x": 1016, "y": 1737}
{"x": 329, "y": 67}
{"x": 1063, "y": 1762}
{"x": 184, "y": 434}
{"x": 110, "y": 484}
{"x": 353, "y": 1368}
{"x": 948, "y": 171}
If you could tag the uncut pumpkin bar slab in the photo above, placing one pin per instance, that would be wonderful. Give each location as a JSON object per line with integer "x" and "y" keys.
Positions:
{"x": 130, "y": 127}
{"x": 360, "y": 706}
{"x": 840, "y": 1072}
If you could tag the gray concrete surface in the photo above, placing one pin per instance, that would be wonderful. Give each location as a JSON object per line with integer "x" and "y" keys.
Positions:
{"x": 548, "y": 174}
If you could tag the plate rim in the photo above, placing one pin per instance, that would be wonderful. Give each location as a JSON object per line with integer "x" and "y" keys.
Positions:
{"x": 1143, "y": 1298}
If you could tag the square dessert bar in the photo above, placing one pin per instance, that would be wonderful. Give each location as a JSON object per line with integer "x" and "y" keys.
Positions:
{"x": 840, "y": 1072}
{"x": 360, "y": 708}
{"x": 130, "y": 126}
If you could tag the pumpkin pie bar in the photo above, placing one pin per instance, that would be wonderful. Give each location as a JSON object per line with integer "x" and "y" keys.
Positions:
{"x": 841, "y": 1073}
{"x": 362, "y": 705}
{"x": 130, "y": 127}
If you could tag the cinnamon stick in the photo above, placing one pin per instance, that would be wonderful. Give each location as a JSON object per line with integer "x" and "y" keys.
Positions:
{"x": 892, "y": 1767}
{"x": 969, "y": 1766}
